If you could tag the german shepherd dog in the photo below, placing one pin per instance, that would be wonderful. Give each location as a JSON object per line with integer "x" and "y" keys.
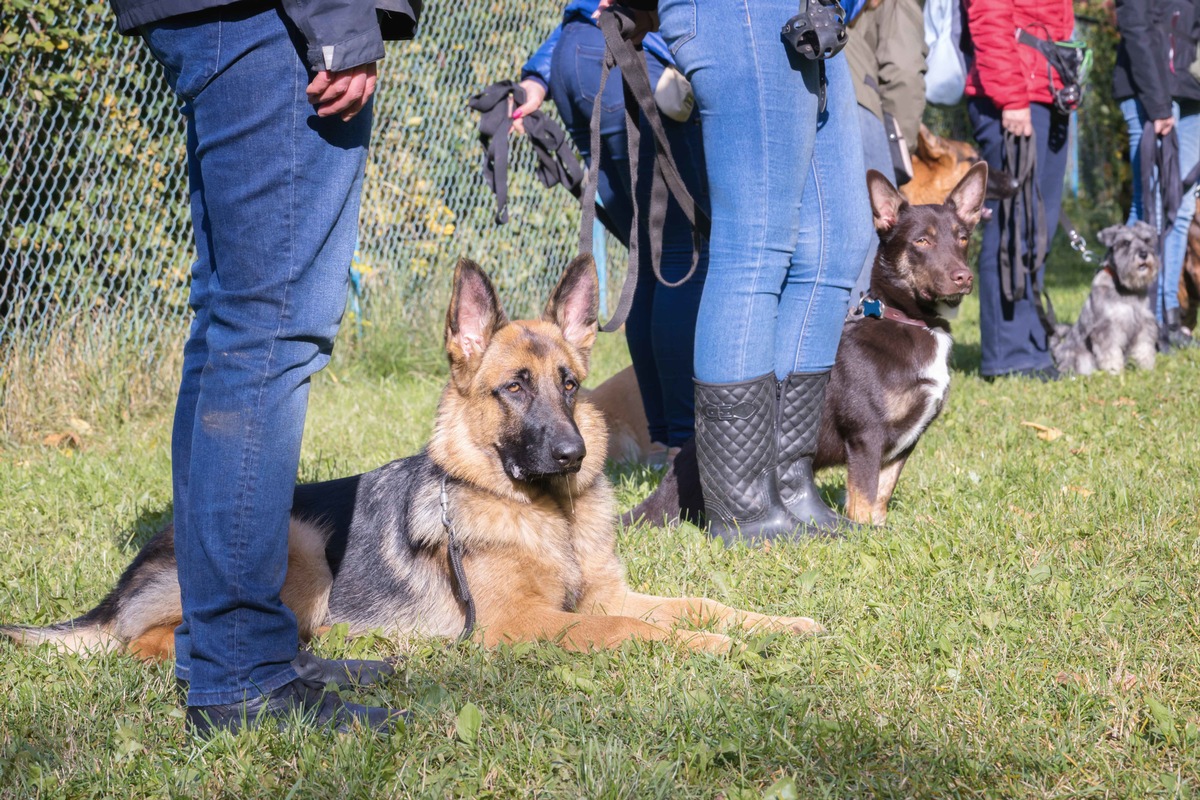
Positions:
{"x": 891, "y": 375}
{"x": 514, "y": 469}
{"x": 940, "y": 163}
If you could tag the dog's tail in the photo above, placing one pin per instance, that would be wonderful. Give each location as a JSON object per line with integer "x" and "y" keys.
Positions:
{"x": 140, "y": 614}
{"x": 87, "y": 634}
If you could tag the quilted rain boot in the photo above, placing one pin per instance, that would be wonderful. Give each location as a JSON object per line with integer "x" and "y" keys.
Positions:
{"x": 801, "y": 398}
{"x": 736, "y": 429}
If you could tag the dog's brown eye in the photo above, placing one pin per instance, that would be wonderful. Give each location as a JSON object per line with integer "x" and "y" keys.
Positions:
{"x": 962, "y": 240}
{"x": 570, "y": 385}
{"x": 513, "y": 387}
{"x": 923, "y": 242}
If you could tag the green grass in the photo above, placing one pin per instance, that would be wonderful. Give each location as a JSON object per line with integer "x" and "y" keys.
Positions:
{"x": 1028, "y": 623}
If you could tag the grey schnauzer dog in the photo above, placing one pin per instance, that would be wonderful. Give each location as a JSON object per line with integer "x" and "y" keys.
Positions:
{"x": 1117, "y": 323}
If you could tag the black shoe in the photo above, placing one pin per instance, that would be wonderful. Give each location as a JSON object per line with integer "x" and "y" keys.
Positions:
{"x": 342, "y": 672}
{"x": 305, "y": 699}
{"x": 801, "y": 401}
{"x": 1171, "y": 333}
{"x": 736, "y": 453}
{"x": 1042, "y": 374}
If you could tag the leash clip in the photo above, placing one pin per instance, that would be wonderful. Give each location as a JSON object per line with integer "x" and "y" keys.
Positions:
{"x": 1079, "y": 245}
{"x": 445, "y": 498}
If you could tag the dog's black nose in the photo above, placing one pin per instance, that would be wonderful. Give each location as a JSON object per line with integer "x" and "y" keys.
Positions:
{"x": 1143, "y": 254}
{"x": 568, "y": 452}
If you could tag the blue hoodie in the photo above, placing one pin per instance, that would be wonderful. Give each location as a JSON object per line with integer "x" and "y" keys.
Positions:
{"x": 538, "y": 65}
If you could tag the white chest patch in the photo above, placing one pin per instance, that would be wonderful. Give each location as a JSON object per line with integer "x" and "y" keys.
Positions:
{"x": 935, "y": 385}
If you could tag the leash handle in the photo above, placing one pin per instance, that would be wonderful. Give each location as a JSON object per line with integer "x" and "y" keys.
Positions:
{"x": 1023, "y": 217}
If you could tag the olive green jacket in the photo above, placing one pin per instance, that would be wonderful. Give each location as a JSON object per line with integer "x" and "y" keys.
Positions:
{"x": 887, "y": 45}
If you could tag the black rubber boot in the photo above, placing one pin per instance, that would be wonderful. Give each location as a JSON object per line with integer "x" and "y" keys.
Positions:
{"x": 801, "y": 399}
{"x": 735, "y": 447}
{"x": 307, "y": 699}
{"x": 1171, "y": 335}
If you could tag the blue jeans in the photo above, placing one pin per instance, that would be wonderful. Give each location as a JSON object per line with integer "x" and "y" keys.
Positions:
{"x": 877, "y": 155}
{"x": 1011, "y": 335}
{"x": 274, "y": 196}
{"x": 1187, "y": 125}
{"x": 661, "y": 326}
{"x": 791, "y": 220}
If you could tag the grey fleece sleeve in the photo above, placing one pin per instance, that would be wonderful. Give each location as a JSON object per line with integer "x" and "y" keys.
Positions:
{"x": 340, "y": 34}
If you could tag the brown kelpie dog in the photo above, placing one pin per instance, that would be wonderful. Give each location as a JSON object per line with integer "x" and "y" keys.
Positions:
{"x": 1189, "y": 279}
{"x": 892, "y": 372}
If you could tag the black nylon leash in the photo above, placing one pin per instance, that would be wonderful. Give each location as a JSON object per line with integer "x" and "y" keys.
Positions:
{"x": 557, "y": 162}
{"x": 454, "y": 552}
{"x": 1161, "y": 183}
{"x": 617, "y": 25}
{"x": 1023, "y": 218}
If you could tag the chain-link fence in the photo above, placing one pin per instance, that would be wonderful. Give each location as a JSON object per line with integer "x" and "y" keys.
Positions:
{"x": 93, "y": 183}
{"x": 94, "y": 228}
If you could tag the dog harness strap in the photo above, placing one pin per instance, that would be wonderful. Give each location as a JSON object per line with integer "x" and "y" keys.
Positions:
{"x": 454, "y": 551}
{"x": 620, "y": 52}
{"x": 557, "y": 163}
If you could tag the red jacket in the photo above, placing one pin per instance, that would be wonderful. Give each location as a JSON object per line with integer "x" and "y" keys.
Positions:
{"x": 1010, "y": 74}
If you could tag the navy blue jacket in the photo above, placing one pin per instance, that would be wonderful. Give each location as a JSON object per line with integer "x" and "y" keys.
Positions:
{"x": 538, "y": 65}
{"x": 1158, "y": 43}
{"x": 340, "y": 34}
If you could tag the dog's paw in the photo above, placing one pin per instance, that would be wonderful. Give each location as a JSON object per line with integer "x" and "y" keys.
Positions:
{"x": 804, "y": 625}
{"x": 703, "y": 641}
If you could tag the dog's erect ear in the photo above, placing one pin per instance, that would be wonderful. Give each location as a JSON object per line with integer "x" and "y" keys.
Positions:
{"x": 1108, "y": 236}
{"x": 473, "y": 318}
{"x": 886, "y": 201}
{"x": 574, "y": 304}
{"x": 967, "y": 198}
{"x": 929, "y": 145}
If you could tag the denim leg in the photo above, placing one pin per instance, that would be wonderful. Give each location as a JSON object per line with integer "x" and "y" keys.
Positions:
{"x": 877, "y": 155}
{"x": 1187, "y": 127}
{"x": 758, "y": 109}
{"x": 659, "y": 330}
{"x": 195, "y": 356}
{"x": 574, "y": 81}
{"x": 1012, "y": 336}
{"x": 1132, "y": 110}
{"x": 836, "y": 231}
{"x": 274, "y": 246}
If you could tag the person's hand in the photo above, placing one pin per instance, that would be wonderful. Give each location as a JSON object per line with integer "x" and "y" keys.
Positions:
{"x": 343, "y": 92}
{"x": 1162, "y": 127}
{"x": 643, "y": 21}
{"x": 1017, "y": 121}
{"x": 535, "y": 95}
